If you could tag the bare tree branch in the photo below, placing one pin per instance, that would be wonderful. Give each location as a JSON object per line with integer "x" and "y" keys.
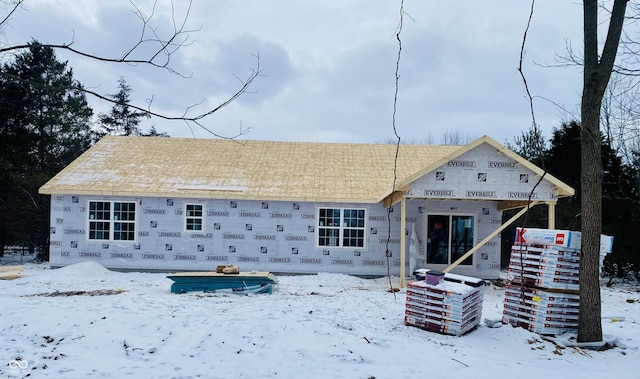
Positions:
{"x": 245, "y": 84}
{"x": 395, "y": 132}
{"x": 534, "y": 124}
{"x": 160, "y": 56}
{"x": 16, "y": 5}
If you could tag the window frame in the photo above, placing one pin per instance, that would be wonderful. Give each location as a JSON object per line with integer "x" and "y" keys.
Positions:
{"x": 451, "y": 257}
{"x": 112, "y": 218}
{"x": 188, "y": 217}
{"x": 345, "y": 223}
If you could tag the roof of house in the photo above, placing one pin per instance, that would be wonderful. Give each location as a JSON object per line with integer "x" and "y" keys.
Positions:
{"x": 257, "y": 170}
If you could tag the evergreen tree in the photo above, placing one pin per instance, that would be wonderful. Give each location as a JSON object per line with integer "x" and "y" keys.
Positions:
{"x": 530, "y": 145}
{"x": 154, "y": 133}
{"x": 620, "y": 191}
{"x": 44, "y": 125}
{"x": 122, "y": 120}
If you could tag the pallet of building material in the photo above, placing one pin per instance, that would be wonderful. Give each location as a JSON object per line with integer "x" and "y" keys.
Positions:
{"x": 540, "y": 328}
{"x": 539, "y": 314}
{"x": 438, "y": 327}
{"x": 461, "y": 309}
{"x": 544, "y": 264}
{"x": 544, "y": 270}
{"x": 422, "y": 301}
{"x": 548, "y": 277}
{"x": 548, "y": 237}
{"x": 417, "y": 303}
{"x": 460, "y": 325}
{"x": 545, "y": 253}
{"x": 541, "y": 306}
{"x": 548, "y": 253}
{"x": 550, "y": 296}
{"x": 450, "y": 307}
{"x": 444, "y": 317}
{"x": 206, "y": 281}
{"x": 11, "y": 272}
{"x": 555, "y": 322}
{"x": 544, "y": 311}
{"x": 440, "y": 296}
{"x": 447, "y": 292}
{"x": 444, "y": 301}
{"x": 560, "y": 282}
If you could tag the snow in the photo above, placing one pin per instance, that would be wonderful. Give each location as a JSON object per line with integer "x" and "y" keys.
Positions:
{"x": 99, "y": 323}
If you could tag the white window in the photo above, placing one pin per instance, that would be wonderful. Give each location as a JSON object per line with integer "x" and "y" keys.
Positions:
{"x": 341, "y": 227}
{"x": 193, "y": 217}
{"x": 448, "y": 238}
{"x": 112, "y": 220}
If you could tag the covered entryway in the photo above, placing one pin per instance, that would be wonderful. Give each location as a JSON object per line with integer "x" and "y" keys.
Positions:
{"x": 457, "y": 205}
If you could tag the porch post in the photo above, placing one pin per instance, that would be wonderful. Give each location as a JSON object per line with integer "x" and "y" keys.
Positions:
{"x": 403, "y": 239}
{"x": 551, "y": 206}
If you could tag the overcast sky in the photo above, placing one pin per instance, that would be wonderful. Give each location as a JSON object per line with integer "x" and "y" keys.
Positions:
{"x": 328, "y": 67}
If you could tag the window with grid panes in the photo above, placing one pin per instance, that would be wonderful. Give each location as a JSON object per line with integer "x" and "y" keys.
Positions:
{"x": 341, "y": 227}
{"x": 124, "y": 221}
{"x": 99, "y": 220}
{"x": 112, "y": 220}
{"x": 193, "y": 216}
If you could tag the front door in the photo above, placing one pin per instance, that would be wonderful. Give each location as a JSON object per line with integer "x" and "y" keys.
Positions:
{"x": 448, "y": 238}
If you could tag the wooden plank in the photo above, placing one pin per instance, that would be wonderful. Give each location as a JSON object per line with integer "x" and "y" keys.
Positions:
{"x": 9, "y": 275}
{"x": 11, "y": 268}
{"x": 217, "y": 274}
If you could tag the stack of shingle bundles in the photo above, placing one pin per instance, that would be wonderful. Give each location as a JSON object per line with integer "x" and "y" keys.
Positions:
{"x": 451, "y": 305}
{"x": 543, "y": 281}
{"x": 545, "y": 266}
{"x": 541, "y": 311}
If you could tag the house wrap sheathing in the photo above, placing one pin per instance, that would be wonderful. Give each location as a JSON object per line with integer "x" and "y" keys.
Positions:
{"x": 170, "y": 204}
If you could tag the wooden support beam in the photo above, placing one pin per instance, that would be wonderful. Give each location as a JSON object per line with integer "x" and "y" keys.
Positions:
{"x": 505, "y": 205}
{"x": 403, "y": 240}
{"x": 393, "y": 199}
{"x": 551, "y": 210}
{"x": 490, "y": 236}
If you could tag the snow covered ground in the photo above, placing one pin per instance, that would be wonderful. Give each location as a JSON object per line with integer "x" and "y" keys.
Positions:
{"x": 101, "y": 323}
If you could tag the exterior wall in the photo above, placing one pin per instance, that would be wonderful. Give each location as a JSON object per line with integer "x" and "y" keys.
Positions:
{"x": 273, "y": 236}
{"x": 483, "y": 173}
{"x": 485, "y": 261}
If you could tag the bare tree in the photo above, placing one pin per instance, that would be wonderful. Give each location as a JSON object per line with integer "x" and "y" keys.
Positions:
{"x": 598, "y": 67}
{"x": 620, "y": 116}
{"x": 455, "y": 138}
{"x": 150, "y": 49}
{"x": 597, "y": 71}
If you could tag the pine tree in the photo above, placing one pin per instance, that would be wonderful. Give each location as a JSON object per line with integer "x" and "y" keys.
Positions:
{"x": 44, "y": 125}
{"x": 122, "y": 120}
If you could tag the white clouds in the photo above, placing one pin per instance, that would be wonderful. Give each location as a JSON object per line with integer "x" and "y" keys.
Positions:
{"x": 329, "y": 66}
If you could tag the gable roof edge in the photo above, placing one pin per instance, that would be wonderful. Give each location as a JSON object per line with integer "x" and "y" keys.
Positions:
{"x": 562, "y": 189}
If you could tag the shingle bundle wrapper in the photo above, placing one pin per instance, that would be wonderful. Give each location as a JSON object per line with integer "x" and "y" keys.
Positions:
{"x": 541, "y": 311}
{"x": 452, "y": 306}
{"x": 543, "y": 280}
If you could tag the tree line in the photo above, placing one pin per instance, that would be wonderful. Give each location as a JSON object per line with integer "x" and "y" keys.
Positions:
{"x": 45, "y": 123}
{"x": 560, "y": 156}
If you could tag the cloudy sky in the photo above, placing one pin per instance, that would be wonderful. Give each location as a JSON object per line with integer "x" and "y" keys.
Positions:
{"x": 328, "y": 67}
